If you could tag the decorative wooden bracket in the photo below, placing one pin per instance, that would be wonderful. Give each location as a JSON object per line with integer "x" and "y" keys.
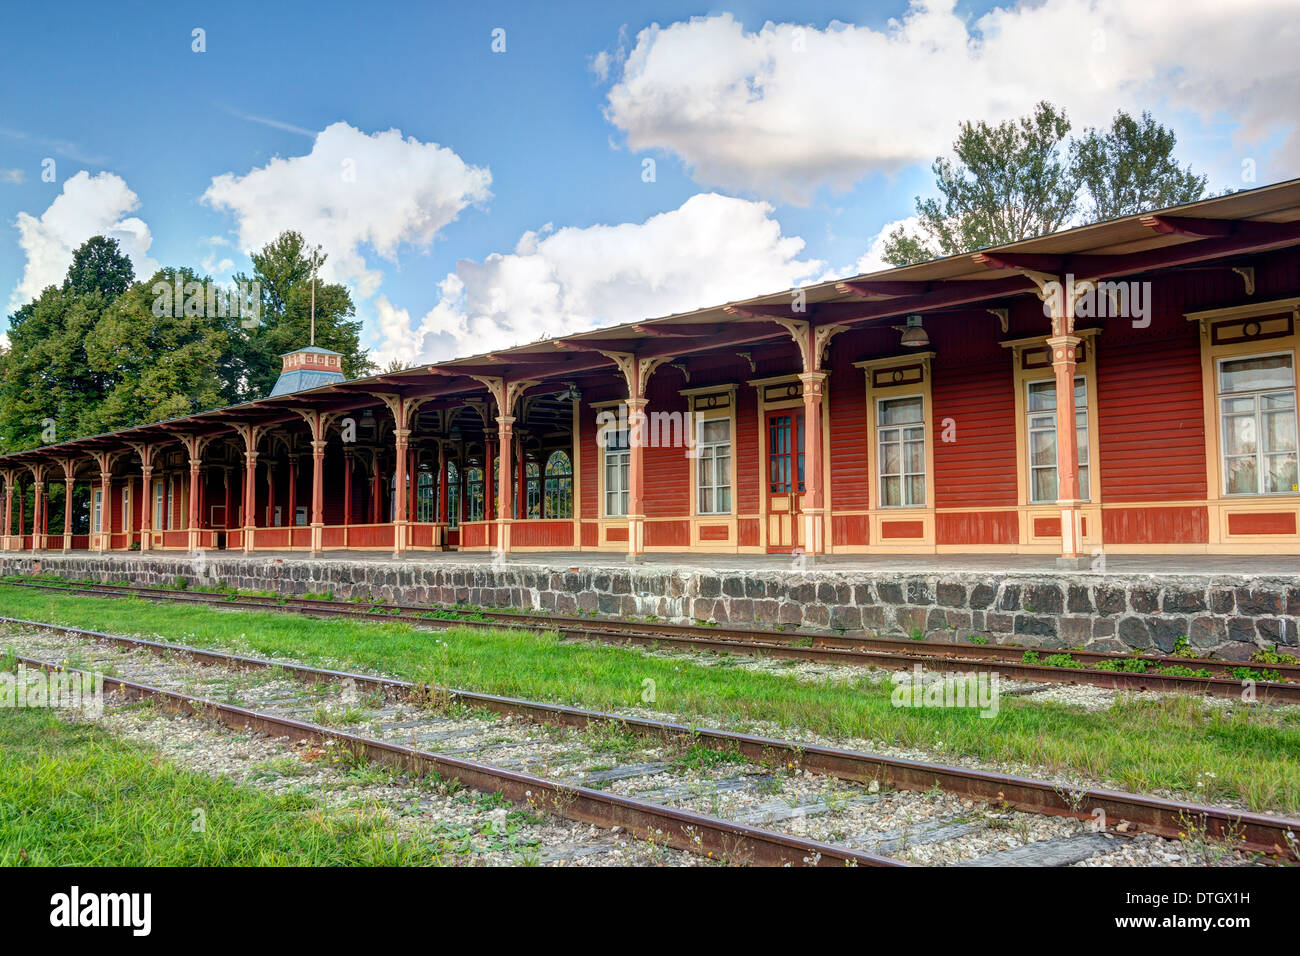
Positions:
{"x": 195, "y": 444}
{"x": 318, "y": 422}
{"x": 403, "y": 408}
{"x": 636, "y": 371}
{"x": 251, "y": 434}
{"x": 1247, "y": 274}
{"x": 105, "y": 460}
{"x": 146, "y": 451}
{"x": 812, "y": 340}
{"x": 504, "y": 393}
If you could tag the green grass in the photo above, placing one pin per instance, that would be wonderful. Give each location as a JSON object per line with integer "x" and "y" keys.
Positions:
{"x": 71, "y": 794}
{"x": 1171, "y": 743}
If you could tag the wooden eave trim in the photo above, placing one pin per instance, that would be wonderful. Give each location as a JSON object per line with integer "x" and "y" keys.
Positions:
{"x": 1246, "y": 310}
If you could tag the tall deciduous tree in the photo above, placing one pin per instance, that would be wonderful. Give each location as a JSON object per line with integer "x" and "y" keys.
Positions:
{"x": 155, "y": 364}
{"x": 99, "y": 265}
{"x": 1010, "y": 181}
{"x": 1022, "y": 179}
{"x": 1130, "y": 168}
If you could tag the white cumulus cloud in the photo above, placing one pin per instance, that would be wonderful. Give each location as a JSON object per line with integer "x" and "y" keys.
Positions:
{"x": 790, "y": 109}
{"x": 353, "y": 192}
{"x": 87, "y": 206}
{"x": 711, "y": 249}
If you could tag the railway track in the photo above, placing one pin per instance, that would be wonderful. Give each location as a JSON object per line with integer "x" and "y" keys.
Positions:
{"x": 405, "y": 713}
{"x": 1135, "y": 672}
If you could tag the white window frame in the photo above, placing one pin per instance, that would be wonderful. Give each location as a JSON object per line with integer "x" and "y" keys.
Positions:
{"x": 1257, "y": 395}
{"x": 903, "y": 475}
{"x": 159, "y": 503}
{"x": 97, "y": 511}
{"x": 708, "y": 475}
{"x": 619, "y": 492}
{"x": 171, "y": 503}
{"x": 1084, "y": 450}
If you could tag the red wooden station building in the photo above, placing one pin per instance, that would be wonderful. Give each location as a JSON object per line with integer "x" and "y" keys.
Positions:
{"x": 1128, "y": 386}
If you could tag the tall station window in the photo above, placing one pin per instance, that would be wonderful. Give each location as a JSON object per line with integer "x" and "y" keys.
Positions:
{"x": 426, "y": 503}
{"x": 558, "y": 495}
{"x": 453, "y": 496}
{"x": 713, "y": 466}
{"x": 1040, "y": 411}
{"x": 900, "y": 436}
{"x": 1257, "y": 416}
{"x": 474, "y": 500}
{"x": 159, "y": 504}
{"x": 618, "y": 462}
{"x": 532, "y": 503}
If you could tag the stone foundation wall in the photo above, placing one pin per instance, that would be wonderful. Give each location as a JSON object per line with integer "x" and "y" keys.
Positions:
{"x": 1230, "y": 615}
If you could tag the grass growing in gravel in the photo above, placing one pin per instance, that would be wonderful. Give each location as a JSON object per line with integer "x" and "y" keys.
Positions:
{"x": 73, "y": 794}
{"x": 1245, "y": 755}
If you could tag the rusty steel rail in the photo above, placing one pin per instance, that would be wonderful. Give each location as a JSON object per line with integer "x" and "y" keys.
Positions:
{"x": 695, "y": 833}
{"x": 866, "y": 652}
{"x": 1260, "y": 833}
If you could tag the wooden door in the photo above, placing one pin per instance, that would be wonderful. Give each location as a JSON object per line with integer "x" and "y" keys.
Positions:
{"x": 785, "y": 479}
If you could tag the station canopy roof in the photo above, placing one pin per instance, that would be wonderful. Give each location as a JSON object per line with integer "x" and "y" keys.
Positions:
{"x": 1231, "y": 227}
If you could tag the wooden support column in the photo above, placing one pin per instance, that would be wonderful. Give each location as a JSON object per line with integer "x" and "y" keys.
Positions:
{"x": 505, "y": 394}
{"x": 192, "y": 516}
{"x": 400, "y": 438}
{"x": 47, "y": 494}
{"x": 194, "y": 445}
{"x": 38, "y": 511}
{"x": 813, "y": 341}
{"x": 9, "y": 510}
{"x": 69, "y": 466}
{"x": 1060, "y": 295}
{"x": 318, "y": 424}
{"x": 636, "y": 372}
{"x": 813, "y": 506}
{"x": 505, "y": 507}
{"x": 349, "y": 462}
{"x": 1068, "y": 493}
{"x": 251, "y": 434}
{"x": 146, "y": 452}
{"x": 405, "y": 411}
{"x": 103, "y": 539}
{"x": 292, "y": 503}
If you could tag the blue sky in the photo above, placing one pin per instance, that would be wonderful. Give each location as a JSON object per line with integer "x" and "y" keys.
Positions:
{"x": 799, "y": 143}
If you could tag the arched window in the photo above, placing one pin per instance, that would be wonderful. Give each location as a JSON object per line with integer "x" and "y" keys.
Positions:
{"x": 453, "y": 495}
{"x": 558, "y": 494}
{"x": 474, "y": 500}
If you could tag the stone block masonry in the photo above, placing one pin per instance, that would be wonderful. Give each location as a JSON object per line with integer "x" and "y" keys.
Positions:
{"x": 1228, "y": 615}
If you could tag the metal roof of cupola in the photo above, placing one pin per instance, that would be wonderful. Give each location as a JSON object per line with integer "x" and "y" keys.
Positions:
{"x": 309, "y": 367}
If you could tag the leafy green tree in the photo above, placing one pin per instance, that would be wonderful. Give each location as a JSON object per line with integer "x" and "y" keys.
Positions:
{"x": 48, "y": 390}
{"x": 1022, "y": 179}
{"x": 1010, "y": 181}
{"x": 79, "y": 364}
{"x": 153, "y": 363}
{"x": 1130, "y": 168}
{"x": 283, "y": 268}
{"x": 99, "y": 265}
